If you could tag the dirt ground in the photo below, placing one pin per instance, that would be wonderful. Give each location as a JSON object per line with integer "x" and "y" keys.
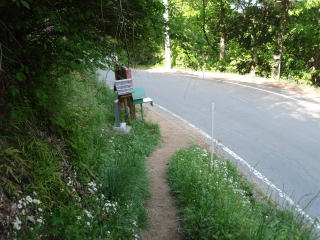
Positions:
{"x": 162, "y": 210}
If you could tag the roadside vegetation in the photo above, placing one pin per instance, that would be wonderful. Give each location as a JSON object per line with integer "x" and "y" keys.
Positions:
{"x": 63, "y": 173}
{"x": 216, "y": 202}
{"x": 78, "y": 179}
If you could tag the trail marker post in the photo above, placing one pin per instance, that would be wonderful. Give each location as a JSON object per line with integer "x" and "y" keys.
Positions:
{"x": 212, "y": 129}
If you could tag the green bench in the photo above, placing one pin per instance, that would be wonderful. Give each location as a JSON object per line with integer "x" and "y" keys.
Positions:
{"x": 139, "y": 97}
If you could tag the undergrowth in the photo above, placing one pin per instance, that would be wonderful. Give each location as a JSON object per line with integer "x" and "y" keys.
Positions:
{"x": 216, "y": 202}
{"x": 64, "y": 173}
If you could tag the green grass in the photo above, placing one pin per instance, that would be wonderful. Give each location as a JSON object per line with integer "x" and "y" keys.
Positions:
{"x": 216, "y": 202}
{"x": 66, "y": 173}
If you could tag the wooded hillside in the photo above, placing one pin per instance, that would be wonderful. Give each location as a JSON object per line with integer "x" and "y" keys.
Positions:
{"x": 243, "y": 36}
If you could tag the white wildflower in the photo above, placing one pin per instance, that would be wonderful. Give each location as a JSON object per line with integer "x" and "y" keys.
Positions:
{"x": 92, "y": 184}
{"x": 90, "y": 190}
{"x": 29, "y": 199}
{"x": 40, "y": 220}
{"x": 40, "y": 209}
{"x": 88, "y": 223}
{"x": 36, "y": 201}
{"x": 17, "y": 224}
{"x": 30, "y": 218}
{"x": 69, "y": 183}
{"x": 78, "y": 217}
{"x": 88, "y": 214}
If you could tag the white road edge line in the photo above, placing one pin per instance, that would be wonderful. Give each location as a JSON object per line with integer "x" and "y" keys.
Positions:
{"x": 255, "y": 172}
{"x": 256, "y": 88}
{"x": 263, "y": 90}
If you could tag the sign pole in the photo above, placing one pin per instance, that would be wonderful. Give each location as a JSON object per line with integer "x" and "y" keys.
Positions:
{"x": 212, "y": 129}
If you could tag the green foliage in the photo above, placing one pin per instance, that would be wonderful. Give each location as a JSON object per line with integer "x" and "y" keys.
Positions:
{"x": 41, "y": 40}
{"x": 252, "y": 32}
{"x": 12, "y": 168}
{"x": 217, "y": 203}
{"x": 56, "y": 118}
{"x": 69, "y": 175}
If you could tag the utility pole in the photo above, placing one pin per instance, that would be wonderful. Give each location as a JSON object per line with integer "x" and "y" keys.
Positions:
{"x": 166, "y": 36}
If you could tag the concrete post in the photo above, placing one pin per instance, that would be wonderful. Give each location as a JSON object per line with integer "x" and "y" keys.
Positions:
{"x": 116, "y": 112}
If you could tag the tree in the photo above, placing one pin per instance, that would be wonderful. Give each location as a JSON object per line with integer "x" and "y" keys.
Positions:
{"x": 243, "y": 35}
{"x": 302, "y": 41}
{"x": 43, "y": 39}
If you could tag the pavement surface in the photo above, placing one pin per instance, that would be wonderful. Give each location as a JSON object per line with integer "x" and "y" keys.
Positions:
{"x": 276, "y": 131}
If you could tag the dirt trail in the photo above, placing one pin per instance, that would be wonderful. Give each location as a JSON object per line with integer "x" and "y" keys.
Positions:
{"x": 162, "y": 211}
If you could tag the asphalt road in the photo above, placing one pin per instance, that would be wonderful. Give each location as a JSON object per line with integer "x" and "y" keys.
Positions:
{"x": 276, "y": 134}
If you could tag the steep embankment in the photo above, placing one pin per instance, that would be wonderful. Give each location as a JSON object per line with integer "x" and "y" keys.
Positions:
{"x": 64, "y": 173}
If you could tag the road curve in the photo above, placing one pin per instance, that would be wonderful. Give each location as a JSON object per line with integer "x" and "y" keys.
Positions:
{"x": 268, "y": 127}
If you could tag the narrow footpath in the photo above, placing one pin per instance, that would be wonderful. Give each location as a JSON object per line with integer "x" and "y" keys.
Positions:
{"x": 162, "y": 209}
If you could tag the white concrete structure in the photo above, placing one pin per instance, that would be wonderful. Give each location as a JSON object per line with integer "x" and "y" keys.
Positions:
{"x": 167, "y": 38}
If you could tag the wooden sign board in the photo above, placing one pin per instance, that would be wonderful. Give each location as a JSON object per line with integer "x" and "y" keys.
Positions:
{"x": 124, "y": 86}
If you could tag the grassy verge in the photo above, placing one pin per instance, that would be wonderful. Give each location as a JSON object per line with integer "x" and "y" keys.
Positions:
{"x": 64, "y": 173}
{"x": 217, "y": 203}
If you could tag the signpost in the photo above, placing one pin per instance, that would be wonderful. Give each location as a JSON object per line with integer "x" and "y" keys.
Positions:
{"x": 277, "y": 66}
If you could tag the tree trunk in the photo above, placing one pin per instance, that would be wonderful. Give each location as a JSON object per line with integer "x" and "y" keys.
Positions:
{"x": 222, "y": 30}
{"x": 253, "y": 55}
{"x": 283, "y": 24}
{"x": 167, "y": 49}
{"x": 253, "y": 65}
{"x": 315, "y": 79}
{"x": 204, "y": 23}
{"x": 222, "y": 45}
